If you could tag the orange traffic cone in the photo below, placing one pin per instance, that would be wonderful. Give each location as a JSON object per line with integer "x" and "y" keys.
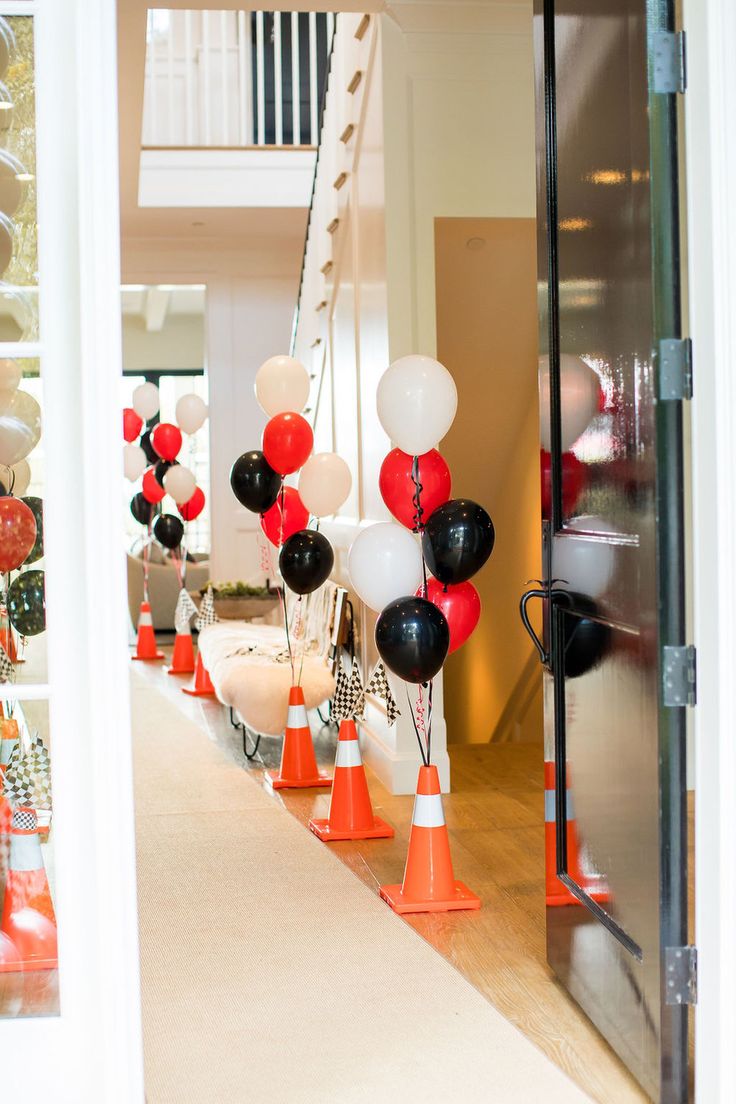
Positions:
{"x": 7, "y": 641}
{"x": 429, "y": 881}
{"x": 556, "y": 892}
{"x": 351, "y": 813}
{"x": 10, "y": 960}
{"x": 202, "y": 681}
{"x": 182, "y": 661}
{"x": 28, "y": 918}
{"x": 8, "y": 741}
{"x": 298, "y": 765}
{"x": 146, "y": 647}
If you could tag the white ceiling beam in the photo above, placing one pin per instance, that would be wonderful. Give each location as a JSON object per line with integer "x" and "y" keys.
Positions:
{"x": 157, "y": 305}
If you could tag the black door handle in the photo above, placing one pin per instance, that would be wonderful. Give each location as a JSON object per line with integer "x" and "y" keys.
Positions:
{"x": 535, "y": 593}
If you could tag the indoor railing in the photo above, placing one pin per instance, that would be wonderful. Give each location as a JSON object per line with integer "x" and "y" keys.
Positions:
{"x": 234, "y": 79}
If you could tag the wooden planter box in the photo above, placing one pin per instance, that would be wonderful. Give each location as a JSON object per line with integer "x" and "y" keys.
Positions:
{"x": 244, "y": 608}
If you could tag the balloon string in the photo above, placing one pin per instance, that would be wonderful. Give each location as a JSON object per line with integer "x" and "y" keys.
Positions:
{"x": 418, "y": 512}
{"x": 282, "y": 588}
{"x": 425, "y": 760}
{"x": 429, "y": 722}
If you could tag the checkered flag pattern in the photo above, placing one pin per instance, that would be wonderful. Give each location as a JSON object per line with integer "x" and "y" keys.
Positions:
{"x": 28, "y": 775}
{"x": 357, "y": 693}
{"x": 207, "y": 615}
{"x": 7, "y": 670}
{"x": 185, "y": 610}
{"x": 379, "y": 685}
{"x": 343, "y": 698}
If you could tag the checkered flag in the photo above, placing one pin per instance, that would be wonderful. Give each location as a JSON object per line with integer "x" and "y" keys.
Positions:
{"x": 343, "y": 698}
{"x": 207, "y": 615}
{"x": 379, "y": 685}
{"x": 357, "y": 693}
{"x": 7, "y": 670}
{"x": 28, "y": 775}
{"x": 185, "y": 610}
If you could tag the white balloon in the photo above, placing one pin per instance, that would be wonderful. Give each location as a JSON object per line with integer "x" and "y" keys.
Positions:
{"x": 11, "y": 374}
{"x": 180, "y": 483}
{"x": 417, "y": 402}
{"x": 191, "y": 413}
{"x": 20, "y": 427}
{"x": 146, "y": 400}
{"x": 282, "y": 385}
{"x": 324, "y": 483}
{"x": 134, "y": 462}
{"x": 385, "y": 563}
{"x": 579, "y": 388}
{"x": 585, "y": 566}
{"x": 22, "y": 473}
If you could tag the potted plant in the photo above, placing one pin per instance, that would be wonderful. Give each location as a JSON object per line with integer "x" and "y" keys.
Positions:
{"x": 239, "y": 601}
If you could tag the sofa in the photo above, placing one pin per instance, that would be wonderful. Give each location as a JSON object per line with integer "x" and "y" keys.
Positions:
{"x": 163, "y": 587}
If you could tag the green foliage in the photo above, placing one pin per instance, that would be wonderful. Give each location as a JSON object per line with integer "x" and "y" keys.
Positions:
{"x": 235, "y": 590}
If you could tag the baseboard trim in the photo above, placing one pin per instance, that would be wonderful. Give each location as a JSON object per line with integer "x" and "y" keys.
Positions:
{"x": 398, "y": 771}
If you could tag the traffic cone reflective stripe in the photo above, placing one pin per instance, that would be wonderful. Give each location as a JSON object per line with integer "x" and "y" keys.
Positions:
{"x": 556, "y": 892}
{"x": 429, "y": 881}
{"x": 182, "y": 659}
{"x": 202, "y": 682}
{"x": 8, "y": 741}
{"x": 351, "y": 813}
{"x": 28, "y": 918}
{"x": 146, "y": 647}
{"x": 298, "y": 765}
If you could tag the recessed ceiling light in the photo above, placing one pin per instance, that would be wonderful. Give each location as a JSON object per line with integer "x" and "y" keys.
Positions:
{"x": 24, "y": 177}
{"x": 575, "y": 224}
{"x": 474, "y": 244}
{"x": 197, "y": 224}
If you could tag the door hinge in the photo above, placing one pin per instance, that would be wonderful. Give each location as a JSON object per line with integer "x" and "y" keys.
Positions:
{"x": 681, "y": 975}
{"x": 675, "y": 368}
{"x": 678, "y": 675}
{"x": 668, "y": 61}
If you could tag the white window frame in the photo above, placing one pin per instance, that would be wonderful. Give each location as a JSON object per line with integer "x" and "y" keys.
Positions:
{"x": 92, "y": 1050}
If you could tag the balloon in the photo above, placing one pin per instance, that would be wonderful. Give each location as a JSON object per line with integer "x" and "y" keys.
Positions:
{"x": 587, "y": 565}
{"x": 145, "y": 442}
{"x": 324, "y": 483}
{"x": 574, "y": 479}
{"x": 295, "y": 517}
{"x": 384, "y": 563}
{"x": 146, "y": 400}
{"x": 412, "y": 637}
{"x": 11, "y": 374}
{"x": 160, "y": 469}
{"x": 254, "y": 482}
{"x": 17, "y": 532}
{"x": 20, "y": 427}
{"x": 166, "y": 439}
{"x": 13, "y": 183}
{"x": 141, "y": 508}
{"x": 180, "y": 483}
{"x": 194, "y": 507}
{"x": 461, "y": 606}
{"x": 586, "y": 640}
{"x": 397, "y": 486}
{"x": 287, "y": 442}
{"x": 168, "y": 530}
{"x": 282, "y": 384}
{"x": 27, "y": 603}
{"x": 132, "y": 424}
{"x": 579, "y": 393}
{"x": 21, "y": 478}
{"x": 36, "y": 505}
{"x": 306, "y": 561}
{"x": 416, "y": 401}
{"x": 134, "y": 462}
{"x": 152, "y": 490}
{"x": 191, "y": 413}
{"x": 457, "y": 540}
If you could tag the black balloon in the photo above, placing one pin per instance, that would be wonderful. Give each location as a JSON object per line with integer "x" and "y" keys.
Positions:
{"x": 145, "y": 442}
{"x": 412, "y": 637}
{"x": 457, "y": 540}
{"x": 161, "y": 469}
{"x": 36, "y": 505}
{"x": 27, "y": 603}
{"x": 254, "y": 482}
{"x": 141, "y": 509}
{"x": 586, "y": 640}
{"x": 306, "y": 561}
{"x": 168, "y": 530}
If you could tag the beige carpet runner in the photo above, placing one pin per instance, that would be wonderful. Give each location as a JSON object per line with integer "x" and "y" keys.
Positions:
{"x": 271, "y": 975}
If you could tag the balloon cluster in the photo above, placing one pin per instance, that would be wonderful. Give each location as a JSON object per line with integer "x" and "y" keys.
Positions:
{"x": 152, "y": 455}
{"x": 257, "y": 477}
{"x": 421, "y": 618}
{"x": 581, "y": 399}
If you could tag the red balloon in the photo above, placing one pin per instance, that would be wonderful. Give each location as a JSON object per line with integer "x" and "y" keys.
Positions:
{"x": 152, "y": 489}
{"x": 461, "y": 606}
{"x": 166, "y": 440}
{"x": 132, "y": 424}
{"x": 397, "y": 486}
{"x": 574, "y": 481}
{"x": 295, "y": 517}
{"x": 194, "y": 507}
{"x": 17, "y": 532}
{"x": 287, "y": 442}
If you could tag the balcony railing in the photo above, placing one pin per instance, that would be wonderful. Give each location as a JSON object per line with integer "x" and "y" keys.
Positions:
{"x": 234, "y": 79}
